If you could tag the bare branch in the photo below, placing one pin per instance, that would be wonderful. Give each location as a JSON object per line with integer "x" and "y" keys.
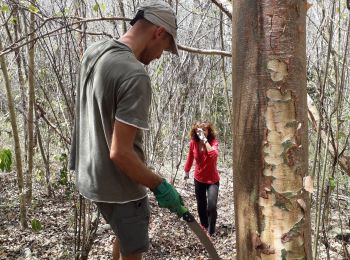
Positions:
{"x": 41, "y": 114}
{"x": 207, "y": 52}
{"x": 314, "y": 117}
{"x": 225, "y": 6}
{"x": 79, "y": 20}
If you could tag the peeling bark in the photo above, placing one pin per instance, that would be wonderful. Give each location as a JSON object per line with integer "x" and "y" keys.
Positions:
{"x": 270, "y": 134}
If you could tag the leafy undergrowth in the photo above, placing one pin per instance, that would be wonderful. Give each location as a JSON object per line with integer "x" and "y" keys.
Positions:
{"x": 170, "y": 237}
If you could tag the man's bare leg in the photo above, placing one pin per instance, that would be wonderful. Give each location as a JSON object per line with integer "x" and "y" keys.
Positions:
{"x": 116, "y": 253}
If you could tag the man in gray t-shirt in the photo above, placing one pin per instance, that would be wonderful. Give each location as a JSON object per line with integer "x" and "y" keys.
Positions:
{"x": 113, "y": 99}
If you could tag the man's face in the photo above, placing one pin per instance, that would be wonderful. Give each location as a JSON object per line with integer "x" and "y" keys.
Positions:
{"x": 161, "y": 41}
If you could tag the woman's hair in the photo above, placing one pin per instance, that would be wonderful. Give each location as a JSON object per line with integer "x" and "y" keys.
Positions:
{"x": 207, "y": 125}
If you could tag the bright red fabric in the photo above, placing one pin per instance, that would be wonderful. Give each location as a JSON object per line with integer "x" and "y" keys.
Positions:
{"x": 206, "y": 162}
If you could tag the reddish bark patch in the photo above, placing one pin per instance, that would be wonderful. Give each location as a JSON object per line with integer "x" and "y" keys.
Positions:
{"x": 261, "y": 246}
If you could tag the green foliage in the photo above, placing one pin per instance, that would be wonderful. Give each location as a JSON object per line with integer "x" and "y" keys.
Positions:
{"x": 332, "y": 183}
{"x": 36, "y": 225}
{"x": 63, "y": 179}
{"x": 341, "y": 135}
{"x": 33, "y": 9}
{"x": 63, "y": 12}
{"x": 160, "y": 69}
{"x": 5, "y": 160}
{"x": 66, "y": 11}
{"x": 13, "y": 20}
{"x": 100, "y": 6}
{"x": 42, "y": 73}
{"x": 4, "y": 8}
{"x": 39, "y": 175}
{"x": 61, "y": 157}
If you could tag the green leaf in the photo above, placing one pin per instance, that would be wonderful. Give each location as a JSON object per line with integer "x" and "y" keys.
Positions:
{"x": 4, "y": 8}
{"x": 63, "y": 157}
{"x": 332, "y": 183}
{"x": 101, "y": 6}
{"x": 159, "y": 69}
{"x": 33, "y": 9}
{"x": 36, "y": 225}
{"x": 13, "y": 20}
{"x": 66, "y": 11}
{"x": 341, "y": 135}
{"x": 39, "y": 175}
{"x": 5, "y": 160}
{"x": 63, "y": 180}
{"x": 42, "y": 73}
{"x": 96, "y": 6}
{"x": 60, "y": 157}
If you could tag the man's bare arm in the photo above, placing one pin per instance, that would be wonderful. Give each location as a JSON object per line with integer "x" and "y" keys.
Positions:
{"x": 123, "y": 155}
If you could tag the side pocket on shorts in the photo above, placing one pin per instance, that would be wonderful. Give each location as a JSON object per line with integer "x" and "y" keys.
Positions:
{"x": 141, "y": 213}
{"x": 129, "y": 220}
{"x": 133, "y": 229}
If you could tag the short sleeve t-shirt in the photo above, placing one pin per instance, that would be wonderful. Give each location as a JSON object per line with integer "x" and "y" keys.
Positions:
{"x": 113, "y": 85}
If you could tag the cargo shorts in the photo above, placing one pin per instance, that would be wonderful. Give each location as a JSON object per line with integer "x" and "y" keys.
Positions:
{"x": 129, "y": 221}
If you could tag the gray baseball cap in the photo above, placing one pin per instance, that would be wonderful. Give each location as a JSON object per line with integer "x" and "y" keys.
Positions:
{"x": 159, "y": 13}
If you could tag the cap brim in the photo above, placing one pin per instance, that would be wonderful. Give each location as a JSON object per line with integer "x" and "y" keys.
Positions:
{"x": 174, "y": 49}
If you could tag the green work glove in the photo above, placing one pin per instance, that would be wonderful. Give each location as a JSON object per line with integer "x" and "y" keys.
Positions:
{"x": 168, "y": 197}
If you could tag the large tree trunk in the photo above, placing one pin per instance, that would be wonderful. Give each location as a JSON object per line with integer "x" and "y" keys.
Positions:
{"x": 270, "y": 129}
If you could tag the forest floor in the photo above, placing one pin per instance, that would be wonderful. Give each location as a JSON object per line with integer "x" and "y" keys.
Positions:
{"x": 170, "y": 238}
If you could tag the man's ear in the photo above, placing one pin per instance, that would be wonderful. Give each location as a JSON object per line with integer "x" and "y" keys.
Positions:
{"x": 160, "y": 32}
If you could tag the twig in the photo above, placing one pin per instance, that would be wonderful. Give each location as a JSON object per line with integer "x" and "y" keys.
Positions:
{"x": 207, "y": 52}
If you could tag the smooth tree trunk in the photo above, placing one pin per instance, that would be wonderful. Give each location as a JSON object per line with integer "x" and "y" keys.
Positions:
{"x": 46, "y": 158}
{"x": 31, "y": 101}
{"x": 17, "y": 30}
{"x": 122, "y": 10}
{"x": 19, "y": 170}
{"x": 270, "y": 145}
{"x": 80, "y": 11}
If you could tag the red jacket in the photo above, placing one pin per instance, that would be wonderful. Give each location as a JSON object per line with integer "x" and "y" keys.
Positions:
{"x": 206, "y": 162}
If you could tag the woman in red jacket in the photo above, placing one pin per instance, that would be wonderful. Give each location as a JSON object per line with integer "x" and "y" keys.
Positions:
{"x": 204, "y": 149}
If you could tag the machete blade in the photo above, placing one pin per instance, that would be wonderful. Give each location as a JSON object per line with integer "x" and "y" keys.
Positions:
{"x": 201, "y": 234}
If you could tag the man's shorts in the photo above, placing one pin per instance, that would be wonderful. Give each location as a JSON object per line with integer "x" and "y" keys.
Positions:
{"x": 129, "y": 222}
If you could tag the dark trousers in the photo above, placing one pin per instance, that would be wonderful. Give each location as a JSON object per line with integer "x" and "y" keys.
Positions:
{"x": 207, "y": 206}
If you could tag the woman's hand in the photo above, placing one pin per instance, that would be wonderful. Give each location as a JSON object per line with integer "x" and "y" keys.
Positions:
{"x": 201, "y": 136}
